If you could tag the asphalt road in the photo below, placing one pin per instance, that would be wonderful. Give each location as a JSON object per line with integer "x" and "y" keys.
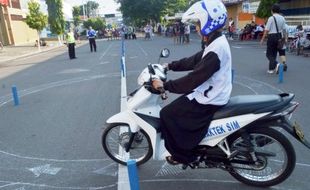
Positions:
{"x": 52, "y": 140}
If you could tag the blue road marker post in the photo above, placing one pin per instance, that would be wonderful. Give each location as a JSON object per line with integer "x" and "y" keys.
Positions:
{"x": 281, "y": 73}
{"x": 15, "y": 96}
{"x": 133, "y": 175}
{"x": 123, "y": 45}
{"x": 232, "y": 76}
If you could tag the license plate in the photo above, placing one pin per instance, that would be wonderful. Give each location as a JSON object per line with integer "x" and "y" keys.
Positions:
{"x": 299, "y": 131}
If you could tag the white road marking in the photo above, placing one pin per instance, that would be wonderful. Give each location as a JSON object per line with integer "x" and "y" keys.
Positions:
{"x": 45, "y": 169}
{"x": 237, "y": 47}
{"x": 72, "y": 71}
{"x": 107, "y": 170}
{"x": 122, "y": 170}
{"x": 103, "y": 63}
{"x": 105, "y": 52}
{"x": 141, "y": 49}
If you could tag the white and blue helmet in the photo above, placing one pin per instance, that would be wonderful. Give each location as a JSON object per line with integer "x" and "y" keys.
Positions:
{"x": 211, "y": 14}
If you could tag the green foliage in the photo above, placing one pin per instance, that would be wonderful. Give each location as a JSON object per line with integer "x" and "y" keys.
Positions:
{"x": 264, "y": 8}
{"x": 96, "y": 23}
{"x": 55, "y": 16}
{"x": 141, "y": 10}
{"x": 89, "y": 8}
{"x": 76, "y": 15}
{"x": 175, "y": 6}
{"x": 35, "y": 19}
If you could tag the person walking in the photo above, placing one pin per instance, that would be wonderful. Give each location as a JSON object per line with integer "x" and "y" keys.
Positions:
{"x": 231, "y": 28}
{"x": 274, "y": 28}
{"x": 71, "y": 44}
{"x": 91, "y": 34}
{"x": 282, "y": 52}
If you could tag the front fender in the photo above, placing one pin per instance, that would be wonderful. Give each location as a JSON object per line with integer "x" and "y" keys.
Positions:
{"x": 124, "y": 117}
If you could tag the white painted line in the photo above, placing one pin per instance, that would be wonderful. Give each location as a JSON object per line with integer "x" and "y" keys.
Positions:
{"x": 45, "y": 169}
{"x": 241, "y": 84}
{"x": 141, "y": 49}
{"x": 72, "y": 71}
{"x": 44, "y": 186}
{"x": 52, "y": 160}
{"x": 122, "y": 170}
{"x": 237, "y": 47}
{"x": 105, "y": 52}
{"x": 103, "y": 63}
{"x": 7, "y": 185}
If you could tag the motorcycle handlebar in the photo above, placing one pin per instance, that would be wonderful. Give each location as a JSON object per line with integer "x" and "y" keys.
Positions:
{"x": 163, "y": 94}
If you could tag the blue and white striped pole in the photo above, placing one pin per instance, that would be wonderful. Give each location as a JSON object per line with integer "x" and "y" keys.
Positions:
{"x": 15, "y": 96}
{"x": 133, "y": 175}
{"x": 123, "y": 64}
{"x": 281, "y": 73}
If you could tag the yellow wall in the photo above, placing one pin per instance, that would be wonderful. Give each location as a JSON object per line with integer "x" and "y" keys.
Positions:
{"x": 22, "y": 33}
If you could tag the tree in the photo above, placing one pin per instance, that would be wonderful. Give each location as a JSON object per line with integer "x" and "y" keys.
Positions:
{"x": 175, "y": 6}
{"x": 76, "y": 15}
{"x": 89, "y": 8}
{"x": 141, "y": 10}
{"x": 36, "y": 19}
{"x": 264, "y": 8}
{"x": 56, "y": 17}
{"x": 95, "y": 23}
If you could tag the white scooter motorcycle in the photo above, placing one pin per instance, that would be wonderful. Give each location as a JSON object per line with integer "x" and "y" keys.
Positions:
{"x": 242, "y": 138}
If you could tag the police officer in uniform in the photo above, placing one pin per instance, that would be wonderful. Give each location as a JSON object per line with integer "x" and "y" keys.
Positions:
{"x": 205, "y": 89}
{"x": 91, "y": 34}
{"x": 71, "y": 44}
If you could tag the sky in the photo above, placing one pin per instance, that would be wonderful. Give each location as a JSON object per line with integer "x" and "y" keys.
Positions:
{"x": 105, "y": 6}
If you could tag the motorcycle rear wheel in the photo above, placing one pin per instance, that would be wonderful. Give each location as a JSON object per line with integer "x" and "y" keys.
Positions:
{"x": 272, "y": 170}
{"x": 116, "y": 136}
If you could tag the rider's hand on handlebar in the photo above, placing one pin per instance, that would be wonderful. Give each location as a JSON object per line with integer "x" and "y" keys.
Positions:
{"x": 157, "y": 84}
{"x": 166, "y": 67}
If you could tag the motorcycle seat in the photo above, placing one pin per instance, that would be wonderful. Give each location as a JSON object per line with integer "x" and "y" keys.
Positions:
{"x": 246, "y": 104}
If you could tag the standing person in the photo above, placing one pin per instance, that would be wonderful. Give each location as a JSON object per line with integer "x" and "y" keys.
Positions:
{"x": 71, "y": 44}
{"x": 187, "y": 32}
{"x": 182, "y": 33}
{"x": 302, "y": 41}
{"x": 91, "y": 34}
{"x": 231, "y": 28}
{"x": 274, "y": 28}
{"x": 257, "y": 31}
{"x": 205, "y": 89}
{"x": 282, "y": 51}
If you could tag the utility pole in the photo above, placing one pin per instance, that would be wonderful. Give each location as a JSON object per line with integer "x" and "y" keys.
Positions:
{"x": 83, "y": 9}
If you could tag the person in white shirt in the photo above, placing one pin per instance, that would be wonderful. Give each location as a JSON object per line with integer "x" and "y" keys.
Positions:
{"x": 274, "y": 28}
{"x": 258, "y": 30}
{"x": 187, "y": 32}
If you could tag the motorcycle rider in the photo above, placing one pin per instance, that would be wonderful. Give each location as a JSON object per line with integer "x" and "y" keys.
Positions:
{"x": 205, "y": 89}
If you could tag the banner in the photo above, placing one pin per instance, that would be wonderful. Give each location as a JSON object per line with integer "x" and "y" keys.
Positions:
{"x": 4, "y": 2}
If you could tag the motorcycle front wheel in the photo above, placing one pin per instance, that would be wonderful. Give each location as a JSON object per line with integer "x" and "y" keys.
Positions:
{"x": 115, "y": 139}
{"x": 276, "y": 158}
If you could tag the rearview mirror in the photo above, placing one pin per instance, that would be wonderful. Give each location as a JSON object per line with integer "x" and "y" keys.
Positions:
{"x": 165, "y": 53}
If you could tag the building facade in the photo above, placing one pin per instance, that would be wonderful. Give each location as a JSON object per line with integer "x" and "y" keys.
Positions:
{"x": 243, "y": 11}
{"x": 13, "y": 29}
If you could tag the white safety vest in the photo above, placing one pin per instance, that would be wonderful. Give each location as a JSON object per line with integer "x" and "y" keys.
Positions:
{"x": 217, "y": 89}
